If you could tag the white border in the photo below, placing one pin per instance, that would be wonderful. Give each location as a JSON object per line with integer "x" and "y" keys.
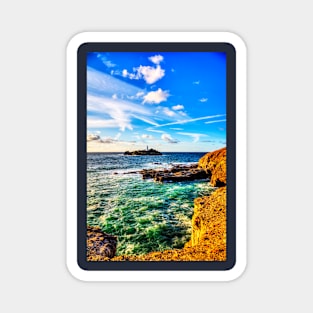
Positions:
{"x": 71, "y": 157}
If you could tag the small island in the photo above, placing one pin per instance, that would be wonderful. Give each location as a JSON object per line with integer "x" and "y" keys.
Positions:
{"x": 143, "y": 152}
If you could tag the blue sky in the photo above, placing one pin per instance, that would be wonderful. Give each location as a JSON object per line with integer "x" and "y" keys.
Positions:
{"x": 169, "y": 101}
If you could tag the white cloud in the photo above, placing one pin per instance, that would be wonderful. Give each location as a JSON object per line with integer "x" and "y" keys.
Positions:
{"x": 150, "y": 74}
{"x": 195, "y": 136}
{"x": 92, "y": 137}
{"x": 196, "y": 82}
{"x": 174, "y": 128}
{"x": 168, "y": 138}
{"x": 156, "y": 59}
{"x": 203, "y": 99}
{"x": 114, "y": 96}
{"x": 178, "y": 107}
{"x": 168, "y": 112}
{"x": 156, "y": 96}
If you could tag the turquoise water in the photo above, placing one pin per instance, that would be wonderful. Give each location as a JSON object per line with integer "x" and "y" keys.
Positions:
{"x": 146, "y": 216}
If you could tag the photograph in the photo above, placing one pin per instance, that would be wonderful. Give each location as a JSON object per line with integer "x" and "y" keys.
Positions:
{"x": 156, "y": 145}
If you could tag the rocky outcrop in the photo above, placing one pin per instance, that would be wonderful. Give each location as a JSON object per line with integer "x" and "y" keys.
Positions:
{"x": 100, "y": 246}
{"x": 177, "y": 173}
{"x": 209, "y": 220}
{"x": 143, "y": 152}
{"x": 214, "y": 164}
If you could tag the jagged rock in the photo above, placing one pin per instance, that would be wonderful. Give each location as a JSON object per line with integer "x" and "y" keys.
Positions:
{"x": 100, "y": 246}
{"x": 177, "y": 173}
{"x": 214, "y": 164}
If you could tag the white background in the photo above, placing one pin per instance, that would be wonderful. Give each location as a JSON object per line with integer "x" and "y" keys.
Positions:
{"x": 34, "y": 35}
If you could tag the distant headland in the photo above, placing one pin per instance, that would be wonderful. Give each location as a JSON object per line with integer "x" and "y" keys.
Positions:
{"x": 143, "y": 152}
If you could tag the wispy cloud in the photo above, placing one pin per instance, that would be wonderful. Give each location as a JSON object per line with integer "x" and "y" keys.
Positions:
{"x": 138, "y": 95}
{"x": 195, "y": 136}
{"x": 168, "y": 138}
{"x": 117, "y": 136}
{"x": 112, "y": 112}
{"x": 101, "y": 123}
{"x": 155, "y": 130}
{"x": 196, "y": 82}
{"x": 216, "y": 121}
{"x": 191, "y": 120}
{"x": 176, "y": 128}
{"x": 108, "y": 140}
{"x": 105, "y": 60}
{"x": 156, "y": 96}
{"x": 146, "y": 120}
{"x": 203, "y": 99}
{"x": 99, "y": 83}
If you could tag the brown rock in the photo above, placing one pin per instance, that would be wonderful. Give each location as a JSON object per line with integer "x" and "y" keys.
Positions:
{"x": 177, "y": 173}
{"x": 209, "y": 220}
{"x": 214, "y": 164}
{"x": 100, "y": 246}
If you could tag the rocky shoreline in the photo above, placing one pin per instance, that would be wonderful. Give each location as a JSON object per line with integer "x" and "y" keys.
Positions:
{"x": 177, "y": 173}
{"x": 208, "y": 239}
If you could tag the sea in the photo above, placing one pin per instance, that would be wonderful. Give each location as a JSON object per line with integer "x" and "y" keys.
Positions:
{"x": 145, "y": 215}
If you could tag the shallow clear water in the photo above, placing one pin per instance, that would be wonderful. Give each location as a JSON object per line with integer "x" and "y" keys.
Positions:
{"x": 145, "y": 215}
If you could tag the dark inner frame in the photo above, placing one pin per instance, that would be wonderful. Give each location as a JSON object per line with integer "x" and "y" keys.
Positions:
{"x": 82, "y": 155}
